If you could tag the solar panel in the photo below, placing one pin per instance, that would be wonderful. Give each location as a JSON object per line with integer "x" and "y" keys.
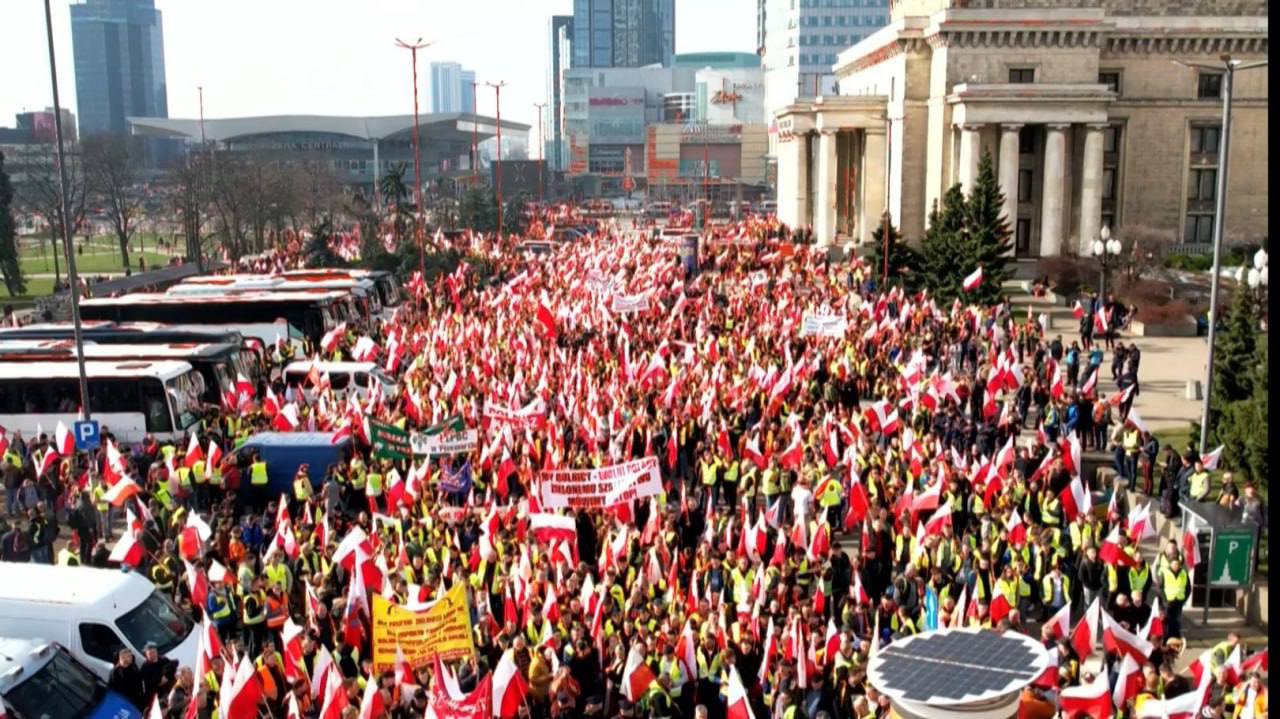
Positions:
{"x": 957, "y": 666}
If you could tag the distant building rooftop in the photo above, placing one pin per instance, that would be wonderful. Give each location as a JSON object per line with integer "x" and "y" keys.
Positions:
{"x": 718, "y": 60}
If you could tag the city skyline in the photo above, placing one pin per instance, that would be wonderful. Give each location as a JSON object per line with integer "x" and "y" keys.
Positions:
{"x": 207, "y": 48}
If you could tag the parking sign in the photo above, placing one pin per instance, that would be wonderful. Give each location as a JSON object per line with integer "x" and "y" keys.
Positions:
{"x": 87, "y": 435}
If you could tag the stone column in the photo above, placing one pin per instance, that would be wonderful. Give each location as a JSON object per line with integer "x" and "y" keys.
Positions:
{"x": 970, "y": 152}
{"x": 793, "y": 174}
{"x": 1091, "y": 187}
{"x": 1009, "y": 147}
{"x": 1051, "y": 220}
{"x": 824, "y": 210}
{"x": 874, "y": 181}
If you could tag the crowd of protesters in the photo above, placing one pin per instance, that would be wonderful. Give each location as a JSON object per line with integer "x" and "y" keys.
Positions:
{"x": 822, "y": 496}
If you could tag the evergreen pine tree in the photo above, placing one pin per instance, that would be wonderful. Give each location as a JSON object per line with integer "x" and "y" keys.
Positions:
{"x": 903, "y": 259}
{"x": 1233, "y": 358}
{"x": 989, "y": 236}
{"x": 10, "y": 268}
{"x": 945, "y": 251}
{"x": 1241, "y": 426}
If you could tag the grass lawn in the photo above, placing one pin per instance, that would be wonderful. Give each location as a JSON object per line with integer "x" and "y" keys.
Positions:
{"x": 36, "y": 287}
{"x": 1179, "y": 438}
{"x": 101, "y": 254}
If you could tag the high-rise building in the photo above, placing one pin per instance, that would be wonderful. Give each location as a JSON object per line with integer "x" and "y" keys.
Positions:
{"x": 799, "y": 42}
{"x": 467, "y": 90}
{"x": 623, "y": 33}
{"x": 560, "y": 29}
{"x": 446, "y": 87}
{"x": 118, "y": 47}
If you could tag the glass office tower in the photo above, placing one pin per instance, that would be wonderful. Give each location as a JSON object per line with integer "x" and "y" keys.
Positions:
{"x": 118, "y": 47}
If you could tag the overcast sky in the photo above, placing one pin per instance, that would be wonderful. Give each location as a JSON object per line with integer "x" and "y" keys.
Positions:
{"x": 334, "y": 57}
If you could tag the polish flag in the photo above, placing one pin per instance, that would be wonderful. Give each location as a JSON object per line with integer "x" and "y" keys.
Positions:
{"x": 1102, "y": 320}
{"x": 240, "y": 699}
{"x": 1183, "y": 706}
{"x": 1135, "y": 419}
{"x": 1077, "y": 311}
{"x": 1154, "y": 628}
{"x": 973, "y": 280}
{"x": 1092, "y": 700}
{"x": 548, "y": 527}
{"x": 1048, "y": 679}
{"x": 940, "y": 519}
{"x": 128, "y": 551}
{"x": 1058, "y": 387}
{"x": 122, "y": 491}
{"x": 547, "y": 320}
{"x": 770, "y": 651}
{"x": 752, "y": 452}
{"x": 1075, "y": 499}
{"x": 833, "y": 641}
{"x": 1140, "y": 525}
{"x": 1111, "y": 552}
{"x": 1115, "y": 638}
{"x": 859, "y": 504}
{"x": 1120, "y": 398}
{"x": 197, "y": 584}
{"x": 47, "y": 461}
{"x": 64, "y": 441}
{"x": 1210, "y": 460}
{"x": 1090, "y": 384}
{"x": 999, "y": 608}
{"x": 335, "y": 696}
{"x": 244, "y": 388}
{"x": 793, "y": 456}
{"x": 1254, "y": 662}
{"x": 371, "y": 704}
{"x": 636, "y": 676}
{"x": 1017, "y": 529}
{"x": 1084, "y": 636}
{"x": 738, "y": 706}
{"x": 1129, "y": 681}
{"x": 1190, "y": 543}
{"x": 215, "y": 458}
{"x": 1060, "y": 623}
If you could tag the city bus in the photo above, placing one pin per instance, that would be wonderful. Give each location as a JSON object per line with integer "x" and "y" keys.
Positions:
{"x": 252, "y": 350}
{"x": 130, "y": 399}
{"x": 364, "y": 292}
{"x": 218, "y": 363}
{"x": 41, "y": 680}
{"x": 269, "y": 316}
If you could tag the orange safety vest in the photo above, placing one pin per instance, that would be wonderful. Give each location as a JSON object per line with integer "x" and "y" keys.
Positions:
{"x": 276, "y": 614}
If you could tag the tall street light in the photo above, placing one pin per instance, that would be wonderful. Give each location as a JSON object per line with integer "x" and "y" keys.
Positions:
{"x": 413, "y": 48}
{"x": 1228, "y": 68}
{"x": 542, "y": 148}
{"x": 72, "y": 277}
{"x": 497, "y": 175}
{"x": 1107, "y": 250}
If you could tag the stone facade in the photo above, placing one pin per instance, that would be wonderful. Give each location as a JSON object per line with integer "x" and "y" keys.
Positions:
{"x": 1081, "y": 105}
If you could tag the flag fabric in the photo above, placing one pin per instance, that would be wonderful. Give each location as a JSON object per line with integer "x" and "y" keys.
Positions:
{"x": 509, "y": 687}
{"x": 738, "y": 707}
{"x": 973, "y": 280}
{"x": 1085, "y": 635}
{"x": 1060, "y": 623}
{"x": 636, "y": 675}
{"x": 1210, "y": 460}
{"x": 1092, "y": 700}
{"x": 1115, "y": 638}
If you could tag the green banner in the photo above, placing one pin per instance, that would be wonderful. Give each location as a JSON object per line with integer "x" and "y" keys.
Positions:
{"x": 452, "y": 424}
{"x": 1232, "y": 564}
{"x": 389, "y": 441}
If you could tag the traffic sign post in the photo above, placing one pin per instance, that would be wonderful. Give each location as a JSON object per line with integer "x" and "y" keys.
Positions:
{"x": 88, "y": 434}
{"x": 1230, "y": 547}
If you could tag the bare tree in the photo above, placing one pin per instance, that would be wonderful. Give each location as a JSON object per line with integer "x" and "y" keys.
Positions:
{"x": 112, "y": 167}
{"x": 191, "y": 200}
{"x": 39, "y": 195}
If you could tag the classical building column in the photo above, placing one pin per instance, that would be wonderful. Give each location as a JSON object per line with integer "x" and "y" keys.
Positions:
{"x": 824, "y": 210}
{"x": 970, "y": 152}
{"x": 1051, "y": 220}
{"x": 1091, "y": 187}
{"x": 871, "y": 175}
{"x": 793, "y": 181}
{"x": 1008, "y": 174}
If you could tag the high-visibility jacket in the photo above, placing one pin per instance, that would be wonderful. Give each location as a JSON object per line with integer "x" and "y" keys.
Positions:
{"x": 254, "y": 610}
{"x": 1175, "y": 585}
{"x": 277, "y": 613}
{"x": 374, "y": 488}
{"x": 68, "y": 558}
{"x": 1047, "y": 586}
{"x": 258, "y": 473}
{"x": 197, "y": 470}
{"x": 278, "y": 576}
{"x": 302, "y": 488}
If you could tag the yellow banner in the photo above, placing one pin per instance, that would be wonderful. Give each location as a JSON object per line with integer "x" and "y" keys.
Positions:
{"x": 444, "y": 628}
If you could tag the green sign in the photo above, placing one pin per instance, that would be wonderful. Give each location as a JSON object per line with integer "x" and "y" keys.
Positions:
{"x": 1232, "y": 564}
{"x": 389, "y": 441}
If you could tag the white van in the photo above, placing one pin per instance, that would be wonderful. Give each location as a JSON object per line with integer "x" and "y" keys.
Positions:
{"x": 344, "y": 377}
{"x": 93, "y": 613}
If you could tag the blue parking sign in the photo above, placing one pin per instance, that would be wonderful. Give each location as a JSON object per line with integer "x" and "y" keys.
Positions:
{"x": 87, "y": 435}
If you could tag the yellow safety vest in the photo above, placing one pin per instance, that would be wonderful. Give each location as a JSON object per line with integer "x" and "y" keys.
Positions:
{"x": 258, "y": 473}
{"x": 1175, "y": 585}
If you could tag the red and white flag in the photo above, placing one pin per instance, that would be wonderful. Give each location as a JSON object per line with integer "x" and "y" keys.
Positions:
{"x": 1129, "y": 681}
{"x": 1115, "y": 638}
{"x": 973, "y": 280}
{"x": 736, "y": 699}
{"x": 1085, "y": 635}
{"x": 1060, "y": 623}
{"x": 64, "y": 441}
{"x": 1210, "y": 460}
{"x": 1092, "y": 700}
{"x": 128, "y": 551}
{"x": 509, "y": 687}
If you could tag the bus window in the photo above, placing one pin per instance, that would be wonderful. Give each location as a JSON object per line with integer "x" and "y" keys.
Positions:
{"x": 60, "y": 689}
{"x": 185, "y": 391}
{"x": 156, "y": 409}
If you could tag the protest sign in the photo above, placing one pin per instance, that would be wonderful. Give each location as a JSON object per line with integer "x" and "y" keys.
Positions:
{"x": 531, "y": 415}
{"x": 457, "y": 481}
{"x": 389, "y": 441}
{"x": 627, "y": 304}
{"x": 475, "y": 705}
{"x": 823, "y": 325}
{"x": 442, "y": 628}
{"x": 435, "y": 445}
{"x": 604, "y": 487}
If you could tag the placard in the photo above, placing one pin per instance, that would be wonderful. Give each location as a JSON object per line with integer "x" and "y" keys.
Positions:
{"x": 598, "y": 488}
{"x": 442, "y": 628}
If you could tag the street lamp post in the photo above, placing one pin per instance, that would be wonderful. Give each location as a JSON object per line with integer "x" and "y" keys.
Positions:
{"x": 1107, "y": 250}
{"x": 1229, "y": 68}
{"x": 475, "y": 138}
{"x": 542, "y": 148}
{"x": 497, "y": 175}
{"x": 413, "y": 48}
{"x": 72, "y": 277}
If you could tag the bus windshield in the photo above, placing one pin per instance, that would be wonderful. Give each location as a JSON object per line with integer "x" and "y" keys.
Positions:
{"x": 157, "y": 620}
{"x": 185, "y": 391}
{"x": 61, "y": 689}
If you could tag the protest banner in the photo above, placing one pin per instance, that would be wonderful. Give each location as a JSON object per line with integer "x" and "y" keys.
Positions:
{"x": 627, "y": 304}
{"x": 457, "y": 481}
{"x": 441, "y": 628}
{"x": 604, "y": 487}
{"x": 475, "y": 705}
{"x": 389, "y": 441}
{"x": 531, "y": 415}
{"x": 823, "y": 325}
{"x": 435, "y": 445}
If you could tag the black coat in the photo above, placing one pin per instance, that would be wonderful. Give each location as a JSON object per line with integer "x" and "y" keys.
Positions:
{"x": 127, "y": 682}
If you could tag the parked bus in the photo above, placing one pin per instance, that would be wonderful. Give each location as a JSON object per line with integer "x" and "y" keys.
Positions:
{"x": 252, "y": 351}
{"x": 269, "y": 316}
{"x": 363, "y": 291}
{"x": 219, "y": 363}
{"x": 41, "y": 680}
{"x": 388, "y": 288}
{"x": 130, "y": 399}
